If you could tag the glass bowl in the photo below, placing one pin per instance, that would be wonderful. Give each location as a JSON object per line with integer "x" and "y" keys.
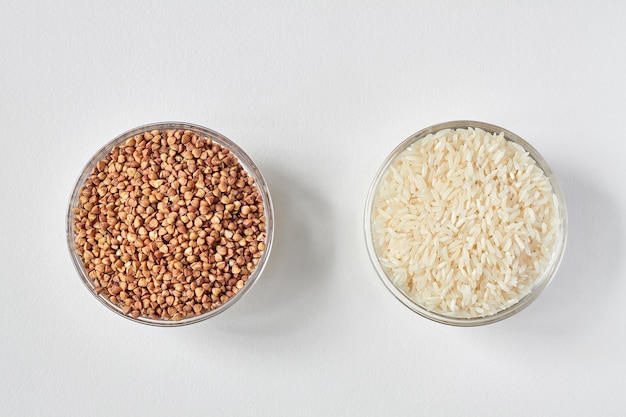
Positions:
{"x": 248, "y": 166}
{"x": 542, "y": 281}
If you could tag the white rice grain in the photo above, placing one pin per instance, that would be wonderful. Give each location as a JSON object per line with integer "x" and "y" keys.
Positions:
{"x": 464, "y": 222}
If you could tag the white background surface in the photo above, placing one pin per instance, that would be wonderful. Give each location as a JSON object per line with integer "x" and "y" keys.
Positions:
{"x": 317, "y": 94}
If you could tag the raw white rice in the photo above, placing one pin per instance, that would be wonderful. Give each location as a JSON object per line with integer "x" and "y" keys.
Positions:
{"x": 464, "y": 222}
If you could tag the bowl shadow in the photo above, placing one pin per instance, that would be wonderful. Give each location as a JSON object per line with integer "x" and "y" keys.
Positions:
{"x": 292, "y": 286}
{"x": 590, "y": 268}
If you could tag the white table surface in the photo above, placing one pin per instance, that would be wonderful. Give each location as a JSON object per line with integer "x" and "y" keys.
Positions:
{"x": 317, "y": 93}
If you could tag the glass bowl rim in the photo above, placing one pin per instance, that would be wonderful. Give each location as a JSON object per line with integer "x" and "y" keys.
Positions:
{"x": 537, "y": 288}
{"x": 248, "y": 165}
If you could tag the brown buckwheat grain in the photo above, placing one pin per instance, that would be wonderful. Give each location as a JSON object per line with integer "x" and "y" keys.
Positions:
{"x": 169, "y": 225}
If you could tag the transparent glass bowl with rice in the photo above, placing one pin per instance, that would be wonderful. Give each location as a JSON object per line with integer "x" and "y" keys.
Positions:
{"x": 170, "y": 224}
{"x": 465, "y": 223}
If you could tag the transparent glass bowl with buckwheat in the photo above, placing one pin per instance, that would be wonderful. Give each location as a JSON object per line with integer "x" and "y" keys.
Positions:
{"x": 465, "y": 223}
{"x": 170, "y": 224}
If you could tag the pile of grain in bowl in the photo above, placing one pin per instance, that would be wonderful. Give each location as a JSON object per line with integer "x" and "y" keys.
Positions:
{"x": 464, "y": 222}
{"x": 169, "y": 225}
